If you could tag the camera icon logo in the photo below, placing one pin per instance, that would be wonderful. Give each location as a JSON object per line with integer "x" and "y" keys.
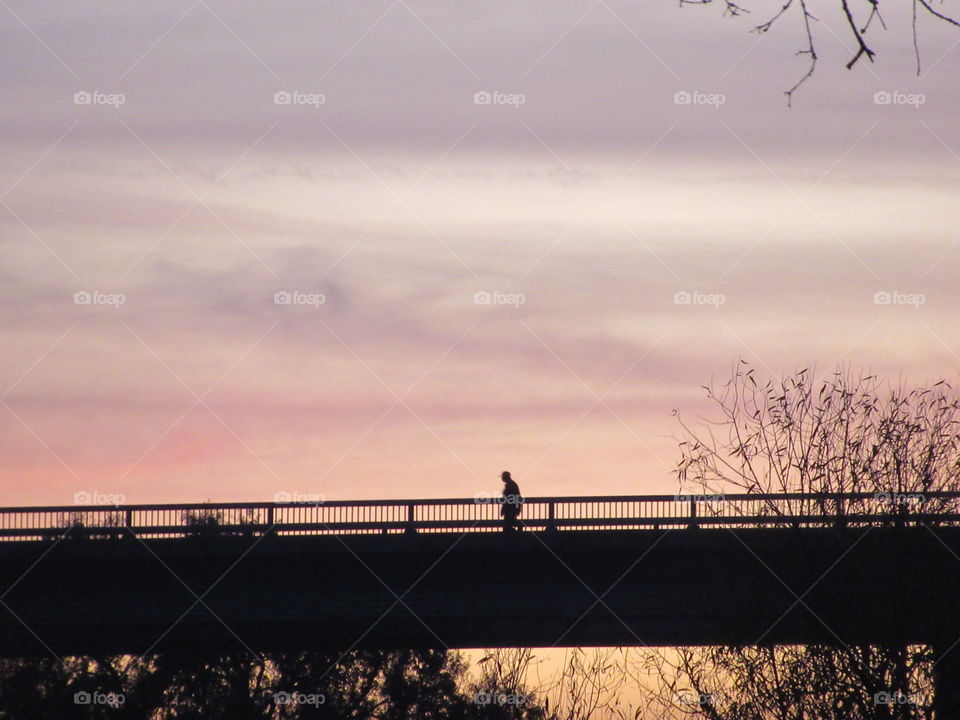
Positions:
{"x": 82, "y": 698}
{"x": 882, "y": 97}
{"x": 682, "y": 297}
{"x": 282, "y": 298}
{"x": 482, "y": 298}
{"x": 882, "y": 297}
{"x": 281, "y": 698}
{"x": 482, "y": 98}
{"x": 682, "y": 97}
{"x": 82, "y": 298}
{"x": 282, "y": 97}
{"x": 82, "y": 98}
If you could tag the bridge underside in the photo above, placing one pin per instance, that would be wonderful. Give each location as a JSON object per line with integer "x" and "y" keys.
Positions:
{"x": 591, "y": 588}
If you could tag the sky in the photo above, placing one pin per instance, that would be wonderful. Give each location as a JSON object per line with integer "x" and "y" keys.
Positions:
{"x": 390, "y": 249}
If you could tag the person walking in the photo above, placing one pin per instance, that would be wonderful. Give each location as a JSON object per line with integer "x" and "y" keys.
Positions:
{"x": 512, "y": 503}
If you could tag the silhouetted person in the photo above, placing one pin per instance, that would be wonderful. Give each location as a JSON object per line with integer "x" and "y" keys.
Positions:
{"x": 512, "y": 503}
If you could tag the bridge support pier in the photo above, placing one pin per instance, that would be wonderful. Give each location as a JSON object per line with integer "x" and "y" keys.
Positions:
{"x": 946, "y": 680}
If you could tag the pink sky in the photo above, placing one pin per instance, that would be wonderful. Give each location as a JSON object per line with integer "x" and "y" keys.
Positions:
{"x": 597, "y": 201}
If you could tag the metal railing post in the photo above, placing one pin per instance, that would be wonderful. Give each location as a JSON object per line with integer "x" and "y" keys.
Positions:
{"x": 551, "y": 516}
{"x": 411, "y": 528}
{"x": 841, "y": 519}
{"x": 693, "y": 512}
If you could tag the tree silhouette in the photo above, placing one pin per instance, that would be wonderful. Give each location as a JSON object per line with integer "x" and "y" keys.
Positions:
{"x": 362, "y": 685}
{"x": 848, "y": 433}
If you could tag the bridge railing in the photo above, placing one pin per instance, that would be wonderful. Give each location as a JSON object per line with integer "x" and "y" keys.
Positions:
{"x": 482, "y": 514}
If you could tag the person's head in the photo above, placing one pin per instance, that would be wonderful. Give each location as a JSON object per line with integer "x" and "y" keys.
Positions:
{"x": 505, "y": 476}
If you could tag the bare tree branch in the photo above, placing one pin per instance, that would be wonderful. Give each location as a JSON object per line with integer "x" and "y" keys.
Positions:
{"x": 858, "y": 32}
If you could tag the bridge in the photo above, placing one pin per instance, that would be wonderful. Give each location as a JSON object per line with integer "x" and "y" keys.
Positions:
{"x": 654, "y": 570}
